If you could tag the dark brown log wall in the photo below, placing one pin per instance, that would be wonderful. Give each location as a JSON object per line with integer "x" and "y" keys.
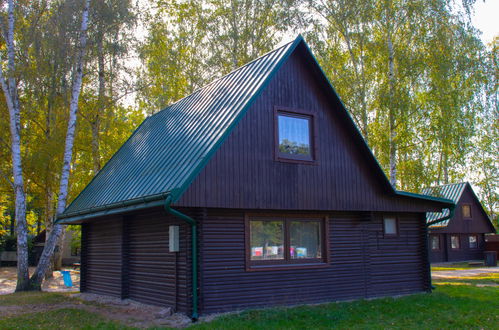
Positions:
{"x": 244, "y": 174}
{"x": 478, "y": 224}
{"x": 439, "y": 255}
{"x": 464, "y": 253}
{"x": 101, "y": 264}
{"x": 363, "y": 264}
{"x": 129, "y": 257}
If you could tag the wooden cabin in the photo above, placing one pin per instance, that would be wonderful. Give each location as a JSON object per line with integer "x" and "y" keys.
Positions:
{"x": 256, "y": 190}
{"x": 461, "y": 237}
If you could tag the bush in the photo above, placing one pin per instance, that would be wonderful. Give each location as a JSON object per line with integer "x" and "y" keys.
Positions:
{"x": 8, "y": 243}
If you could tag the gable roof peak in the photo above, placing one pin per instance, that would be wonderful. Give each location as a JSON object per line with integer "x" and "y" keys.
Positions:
{"x": 169, "y": 149}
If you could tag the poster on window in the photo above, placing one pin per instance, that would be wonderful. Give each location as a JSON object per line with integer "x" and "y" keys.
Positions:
{"x": 257, "y": 251}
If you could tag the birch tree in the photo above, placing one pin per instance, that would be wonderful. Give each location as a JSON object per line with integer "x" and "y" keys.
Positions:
{"x": 9, "y": 87}
{"x": 343, "y": 45}
{"x": 55, "y": 235}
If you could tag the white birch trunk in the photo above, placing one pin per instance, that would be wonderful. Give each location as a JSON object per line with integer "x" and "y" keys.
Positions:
{"x": 54, "y": 238}
{"x": 11, "y": 97}
{"x": 95, "y": 124}
{"x": 392, "y": 115}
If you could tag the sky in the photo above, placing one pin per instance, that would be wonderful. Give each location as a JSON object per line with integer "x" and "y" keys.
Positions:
{"x": 486, "y": 19}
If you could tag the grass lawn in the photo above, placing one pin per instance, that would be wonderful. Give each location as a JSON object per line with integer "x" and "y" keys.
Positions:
{"x": 454, "y": 304}
{"x": 33, "y": 298}
{"x": 64, "y": 318}
{"x": 449, "y": 306}
{"x": 46, "y": 310}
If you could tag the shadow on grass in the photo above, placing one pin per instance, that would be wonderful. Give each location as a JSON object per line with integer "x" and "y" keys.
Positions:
{"x": 65, "y": 318}
{"x": 447, "y": 307}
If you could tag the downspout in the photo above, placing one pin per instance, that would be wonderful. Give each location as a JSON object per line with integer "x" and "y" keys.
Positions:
{"x": 447, "y": 217}
{"x": 428, "y": 224}
{"x": 194, "y": 251}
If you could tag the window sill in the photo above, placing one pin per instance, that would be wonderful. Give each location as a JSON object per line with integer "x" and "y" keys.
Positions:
{"x": 296, "y": 161}
{"x": 259, "y": 268}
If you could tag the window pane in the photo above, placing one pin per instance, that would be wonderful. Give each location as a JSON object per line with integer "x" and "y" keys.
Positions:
{"x": 454, "y": 242}
{"x": 466, "y": 211}
{"x": 305, "y": 239}
{"x": 294, "y": 135}
{"x": 473, "y": 242}
{"x": 267, "y": 240}
{"x": 390, "y": 226}
{"x": 435, "y": 243}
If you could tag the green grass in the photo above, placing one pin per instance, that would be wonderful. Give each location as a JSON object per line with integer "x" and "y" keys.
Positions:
{"x": 454, "y": 304}
{"x": 33, "y": 298}
{"x": 65, "y": 318}
{"x": 448, "y": 307}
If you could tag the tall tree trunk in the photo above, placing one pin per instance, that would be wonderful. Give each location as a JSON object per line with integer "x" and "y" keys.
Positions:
{"x": 446, "y": 167}
{"x": 49, "y": 221}
{"x": 392, "y": 114}
{"x": 100, "y": 107}
{"x": 55, "y": 235}
{"x": 11, "y": 97}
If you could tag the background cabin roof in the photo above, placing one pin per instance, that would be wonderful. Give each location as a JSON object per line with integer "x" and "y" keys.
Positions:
{"x": 169, "y": 149}
{"x": 452, "y": 191}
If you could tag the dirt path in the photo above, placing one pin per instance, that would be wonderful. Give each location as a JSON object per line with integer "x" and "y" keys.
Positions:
{"x": 463, "y": 272}
{"x": 55, "y": 284}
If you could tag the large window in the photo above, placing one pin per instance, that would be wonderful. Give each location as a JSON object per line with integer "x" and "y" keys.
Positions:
{"x": 284, "y": 240}
{"x": 466, "y": 208}
{"x": 435, "y": 242}
{"x": 294, "y": 136}
{"x": 455, "y": 244}
{"x": 473, "y": 241}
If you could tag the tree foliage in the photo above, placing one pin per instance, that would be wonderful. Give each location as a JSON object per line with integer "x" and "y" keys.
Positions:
{"x": 46, "y": 38}
{"x": 433, "y": 106}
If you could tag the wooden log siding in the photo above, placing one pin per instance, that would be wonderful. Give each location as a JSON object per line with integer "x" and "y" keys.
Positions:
{"x": 102, "y": 261}
{"x": 363, "y": 264}
{"x": 129, "y": 257}
{"x": 244, "y": 174}
{"x": 84, "y": 257}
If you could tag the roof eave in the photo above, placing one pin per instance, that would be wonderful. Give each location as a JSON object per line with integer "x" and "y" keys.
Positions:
{"x": 116, "y": 208}
{"x": 444, "y": 201}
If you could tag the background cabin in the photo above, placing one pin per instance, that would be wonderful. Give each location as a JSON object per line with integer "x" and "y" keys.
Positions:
{"x": 256, "y": 190}
{"x": 462, "y": 237}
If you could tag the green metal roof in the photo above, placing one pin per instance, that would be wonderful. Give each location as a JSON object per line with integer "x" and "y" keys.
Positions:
{"x": 451, "y": 191}
{"x": 169, "y": 149}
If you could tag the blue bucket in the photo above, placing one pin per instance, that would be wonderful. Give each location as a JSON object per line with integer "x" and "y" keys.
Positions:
{"x": 67, "y": 278}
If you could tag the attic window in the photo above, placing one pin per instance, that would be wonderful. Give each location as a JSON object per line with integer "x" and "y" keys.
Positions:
{"x": 466, "y": 211}
{"x": 294, "y": 136}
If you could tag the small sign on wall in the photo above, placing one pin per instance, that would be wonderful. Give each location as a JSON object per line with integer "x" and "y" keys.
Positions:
{"x": 174, "y": 239}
